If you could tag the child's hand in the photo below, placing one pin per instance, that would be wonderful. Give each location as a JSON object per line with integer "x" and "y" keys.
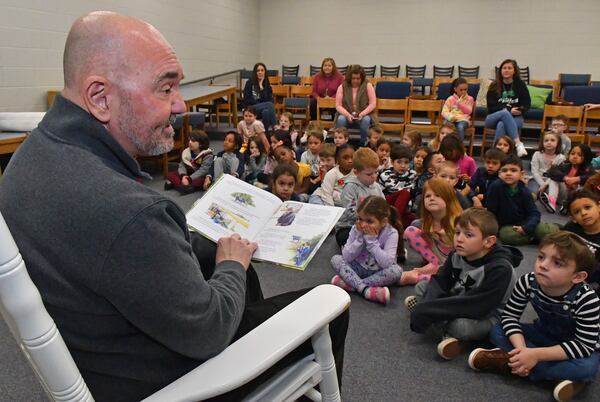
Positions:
{"x": 519, "y": 230}
{"x": 466, "y": 178}
{"x": 543, "y": 188}
{"x": 316, "y": 180}
{"x": 185, "y": 180}
{"x": 522, "y": 361}
{"x": 477, "y": 202}
{"x": 571, "y": 180}
{"x": 255, "y": 153}
{"x": 207, "y": 183}
{"x": 370, "y": 231}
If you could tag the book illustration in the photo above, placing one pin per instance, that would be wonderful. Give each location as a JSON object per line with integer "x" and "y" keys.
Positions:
{"x": 302, "y": 248}
{"x": 226, "y": 218}
{"x": 243, "y": 199}
{"x": 288, "y": 215}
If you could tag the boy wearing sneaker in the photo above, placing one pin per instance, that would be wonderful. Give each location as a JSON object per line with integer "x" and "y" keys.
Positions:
{"x": 466, "y": 297}
{"x": 562, "y": 343}
{"x": 511, "y": 201}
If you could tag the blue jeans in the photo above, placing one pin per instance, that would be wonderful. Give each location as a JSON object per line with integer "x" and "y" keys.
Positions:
{"x": 504, "y": 123}
{"x": 461, "y": 126}
{"x": 265, "y": 111}
{"x": 579, "y": 370}
{"x": 363, "y": 124}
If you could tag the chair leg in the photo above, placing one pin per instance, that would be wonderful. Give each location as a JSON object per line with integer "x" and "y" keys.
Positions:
{"x": 471, "y": 134}
{"x": 321, "y": 343}
{"x": 483, "y": 135}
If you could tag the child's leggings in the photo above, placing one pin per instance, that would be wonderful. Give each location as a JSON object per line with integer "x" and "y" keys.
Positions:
{"x": 359, "y": 277}
{"x": 416, "y": 239}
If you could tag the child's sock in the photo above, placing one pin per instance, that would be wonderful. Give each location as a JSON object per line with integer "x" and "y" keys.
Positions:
{"x": 338, "y": 281}
{"x": 379, "y": 294}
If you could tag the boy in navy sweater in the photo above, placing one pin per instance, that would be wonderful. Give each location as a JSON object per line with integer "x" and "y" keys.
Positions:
{"x": 511, "y": 201}
{"x": 485, "y": 175}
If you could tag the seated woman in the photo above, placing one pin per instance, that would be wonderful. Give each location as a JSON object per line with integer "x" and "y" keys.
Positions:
{"x": 507, "y": 100}
{"x": 325, "y": 84}
{"x": 355, "y": 102}
{"x": 258, "y": 93}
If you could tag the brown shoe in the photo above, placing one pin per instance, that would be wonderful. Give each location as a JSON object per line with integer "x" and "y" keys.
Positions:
{"x": 566, "y": 390}
{"x": 495, "y": 360}
{"x": 450, "y": 348}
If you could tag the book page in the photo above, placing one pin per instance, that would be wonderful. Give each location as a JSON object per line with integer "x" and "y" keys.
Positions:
{"x": 232, "y": 206}
{"x": 295, "y": 232}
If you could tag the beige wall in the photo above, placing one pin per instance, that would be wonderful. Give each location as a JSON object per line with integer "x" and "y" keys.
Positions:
{"x": 209, "y": 37}
{"x": 550, "y": 36}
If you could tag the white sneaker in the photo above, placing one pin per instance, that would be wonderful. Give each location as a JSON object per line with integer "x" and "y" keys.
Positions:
{"x": 521, "y": 151}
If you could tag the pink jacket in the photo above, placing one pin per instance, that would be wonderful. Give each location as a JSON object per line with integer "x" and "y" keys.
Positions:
{"x": 458, "y": 109}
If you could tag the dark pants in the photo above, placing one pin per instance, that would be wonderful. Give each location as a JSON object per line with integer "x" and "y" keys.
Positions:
{"x": 175, "y": 178}
{"x": 259, "y": 310}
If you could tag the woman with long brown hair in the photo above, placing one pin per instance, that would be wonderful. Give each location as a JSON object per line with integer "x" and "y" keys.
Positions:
{"x": 507, "y": 100}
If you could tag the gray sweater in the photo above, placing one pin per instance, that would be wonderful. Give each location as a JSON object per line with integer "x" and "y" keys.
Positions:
{"x": 113, "y": 261}
{"x": 352, "y": 194}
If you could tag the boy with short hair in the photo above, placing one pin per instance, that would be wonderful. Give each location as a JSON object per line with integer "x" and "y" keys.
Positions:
{"x": 398, "y": 180}
{"x": 465, "y": 298}
{"x": 326, "y": 163}
{"x": 559, "y": 124}
{"x": 357, "y": 187}
{"x": 374, "y": 134}
{"x": 340, "y": 136}
{"x": 584, "y": 210}
{"x": 485, "y": 175}
{"x": 562, "y": 343}
{"x": 511, "y": 201}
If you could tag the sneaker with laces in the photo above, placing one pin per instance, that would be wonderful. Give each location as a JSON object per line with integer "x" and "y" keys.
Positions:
{"x": 563, "y": 210}
{"x": 411, "y": 302}
{"x": 521, "y": 151}
{"x": 566, "y": 390}
{"x": 495, "y": 360}
{"x": 450, "y": 348}
{"x": 338, "y": 281}
{"x": 379, "y": 294}
{"x": 168, "y": 185}
{"x": 547, "y": 202}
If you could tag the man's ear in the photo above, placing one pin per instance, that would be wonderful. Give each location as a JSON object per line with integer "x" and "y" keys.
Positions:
{"x": 96, "y": 97}
{"x": 579, "y": 277}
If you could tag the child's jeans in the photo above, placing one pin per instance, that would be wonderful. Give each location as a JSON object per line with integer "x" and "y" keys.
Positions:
{"x": 461, "y": 127}
{"x": 315, "y": 199}
{"x": 580, "y": 370}
{"x": 464, "y": 329}
{"x": 359, "y": 277}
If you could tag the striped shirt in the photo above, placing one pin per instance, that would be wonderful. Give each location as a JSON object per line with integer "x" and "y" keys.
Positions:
{"x": 585, "y": 310}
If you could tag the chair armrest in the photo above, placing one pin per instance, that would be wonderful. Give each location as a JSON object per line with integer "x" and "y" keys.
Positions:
{"x": 260, "y": 349}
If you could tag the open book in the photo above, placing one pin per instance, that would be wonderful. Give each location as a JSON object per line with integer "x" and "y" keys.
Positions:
{"x": 287, "y": 233}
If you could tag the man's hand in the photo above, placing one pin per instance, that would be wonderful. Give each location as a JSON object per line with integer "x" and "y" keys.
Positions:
{"x": 235, "y": 248}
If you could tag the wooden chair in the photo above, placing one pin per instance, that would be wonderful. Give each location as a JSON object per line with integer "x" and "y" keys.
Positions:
{"x": 323, "y": 104}
{"x": 307, "y": 81}
{"x": 389, "y": 71}
{"x": 447, "y": 72}
{"x": 274, "y": 79}
{"x": 299, "y": 101}
{"x": 468, "y": 72}
{"x": 280, "y": 92}
{"x": 290, "y": 70}
{"x": 573, "y": 113}
{"x": 305, "y": 319}
{"x": 433, "y": 109}
{"x": 394, "y": 108}
{"x": 314, "y": 70}
{"x": 548, "y": 83}
{"x": 589, "y": 116}
{"x": 436, "y": 83}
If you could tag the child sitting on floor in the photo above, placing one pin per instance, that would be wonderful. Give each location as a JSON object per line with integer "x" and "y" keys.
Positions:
{"x": 562, "y": 343}
{"x": 434, "y": 239}
{"x": 357, "y": 187}
{"x": 506, "y": 145}
{"x": 383, "y": 149}
{"x": 340, "y": 136}
{"x": 229, "y": 161}
{"x": 584, "y": 210}
{"x": 559, "y": 125}
{"x": 331, "y": 188}
{"x": 250, "y": 127}
{"x": 466, "y": 297}
{"x": 511, "y": 201}
{"x": 255, "y": 157}
{"x": 420, "y": 154}
{"x": 367, "y": 264}
{"x": 397, "y": 182}
{"x": 374, "y": 134}
{"x": 311, "y": 155}
{"x": 447, "y": 170}
{"x": 283, "y": 181}
{"x": 412, "y": 139}
{"x": 195, "y": 164}
{"x": 485, "y": 175}
{"x": 284, "y": 154}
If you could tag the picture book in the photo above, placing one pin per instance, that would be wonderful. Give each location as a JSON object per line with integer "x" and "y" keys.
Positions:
{"x": 287, "y": 233}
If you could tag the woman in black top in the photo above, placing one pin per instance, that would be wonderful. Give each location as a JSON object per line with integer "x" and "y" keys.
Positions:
{"x": 258, "y": 93}
{"x": 507, "y": 100}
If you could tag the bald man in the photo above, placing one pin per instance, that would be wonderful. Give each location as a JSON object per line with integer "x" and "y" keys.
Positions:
{"x": 114, "y": 262}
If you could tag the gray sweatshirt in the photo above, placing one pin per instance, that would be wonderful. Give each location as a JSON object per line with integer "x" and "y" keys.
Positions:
{"x": 352, "y": 194}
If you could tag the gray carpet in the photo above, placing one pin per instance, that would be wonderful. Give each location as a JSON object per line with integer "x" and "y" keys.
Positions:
{"x": 384, "y": 360}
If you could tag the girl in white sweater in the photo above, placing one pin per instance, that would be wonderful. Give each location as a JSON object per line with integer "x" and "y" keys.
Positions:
{"x": 331, "y": 187}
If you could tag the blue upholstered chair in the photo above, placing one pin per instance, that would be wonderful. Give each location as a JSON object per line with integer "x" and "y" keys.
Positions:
{"x": 580, "y": 95}
{"x": 393, "y": 89}
{"x": 290, "y": 70}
